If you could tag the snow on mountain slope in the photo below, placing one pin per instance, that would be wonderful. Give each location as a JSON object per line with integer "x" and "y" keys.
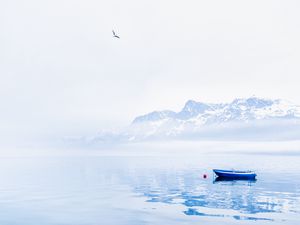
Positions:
{"x": 239, "y": 110}
{"x": 197, "y": 115}
{"x": 242, "y": 119}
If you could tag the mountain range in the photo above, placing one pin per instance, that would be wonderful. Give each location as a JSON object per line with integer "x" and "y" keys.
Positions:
{"x": 242, "y": 119}
{"x": 245, "y": 110}
{"x": 200, "y": 119}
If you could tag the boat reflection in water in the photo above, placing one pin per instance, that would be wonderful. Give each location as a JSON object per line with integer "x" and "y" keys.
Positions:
{"x": 233, "y": 181}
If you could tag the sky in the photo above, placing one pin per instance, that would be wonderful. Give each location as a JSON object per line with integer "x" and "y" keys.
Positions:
{"x": 62, "y": 72}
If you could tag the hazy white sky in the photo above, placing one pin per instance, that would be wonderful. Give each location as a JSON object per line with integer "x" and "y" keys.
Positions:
{"x": 62, "y": 72}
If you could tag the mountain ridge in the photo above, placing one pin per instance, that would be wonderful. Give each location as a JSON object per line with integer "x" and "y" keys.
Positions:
{"x": 240, "y": 109}
{"x": 241, "y": 119}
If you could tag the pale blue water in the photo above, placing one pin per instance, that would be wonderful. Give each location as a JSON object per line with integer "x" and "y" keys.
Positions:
{"x": 157, "y": 189}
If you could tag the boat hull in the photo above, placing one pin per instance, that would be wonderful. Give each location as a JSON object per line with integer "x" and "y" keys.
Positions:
{"x": 238, "y": 175}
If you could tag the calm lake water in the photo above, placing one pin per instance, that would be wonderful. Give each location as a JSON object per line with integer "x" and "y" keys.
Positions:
{"x": 90, "y": 188}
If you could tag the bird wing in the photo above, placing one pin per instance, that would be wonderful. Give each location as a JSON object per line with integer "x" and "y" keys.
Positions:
{"x": 113, "y": 32}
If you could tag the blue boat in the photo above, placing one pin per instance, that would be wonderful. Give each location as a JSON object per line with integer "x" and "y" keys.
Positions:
{"x": 235, "y": 174}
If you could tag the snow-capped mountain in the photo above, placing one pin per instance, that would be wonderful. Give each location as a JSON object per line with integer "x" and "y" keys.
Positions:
{"x": 242, "y": 119}
{"x": 239, "y": 110}
{"x": 196, "y": 116}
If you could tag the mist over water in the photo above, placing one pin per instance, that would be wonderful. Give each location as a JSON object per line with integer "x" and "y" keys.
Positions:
{"x": 144, "y": 185}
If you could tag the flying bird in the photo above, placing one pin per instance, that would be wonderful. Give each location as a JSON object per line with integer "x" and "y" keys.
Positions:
{"x": 114, "y": 34}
